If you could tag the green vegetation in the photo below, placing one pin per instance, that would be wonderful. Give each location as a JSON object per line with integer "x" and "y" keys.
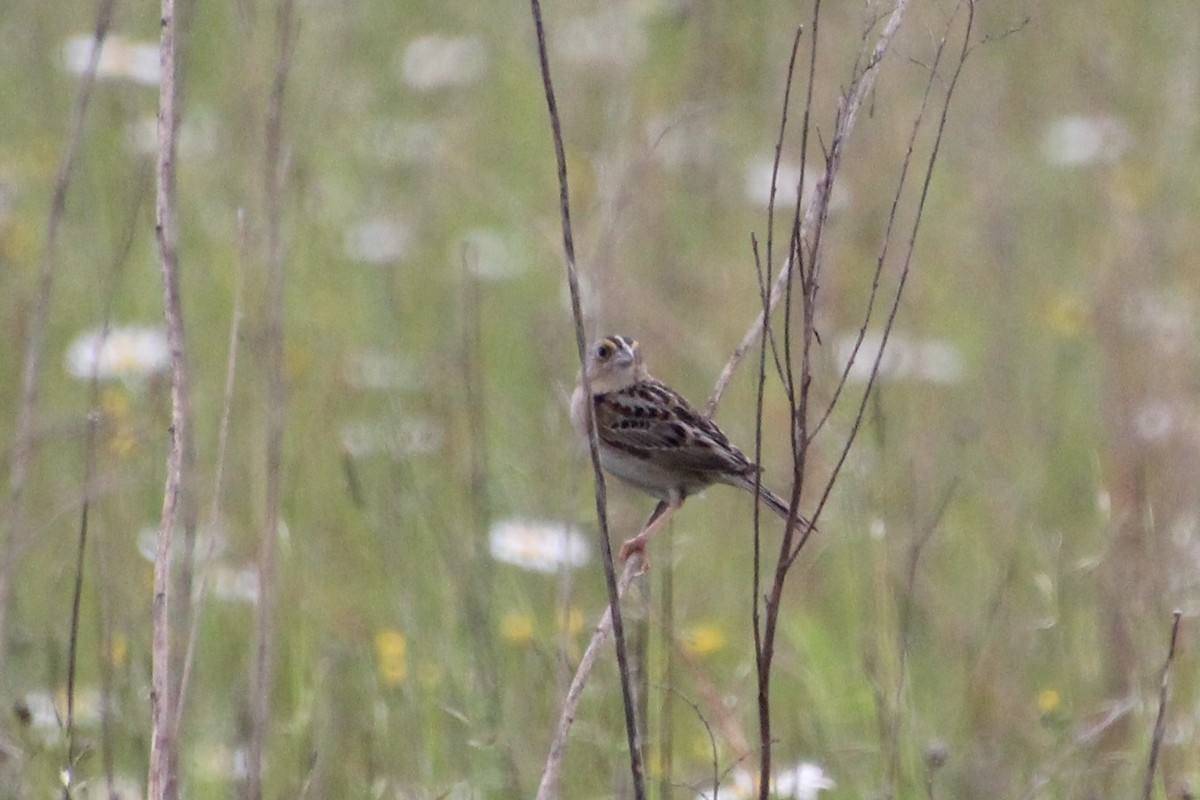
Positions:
{"x": 993, "y": 578}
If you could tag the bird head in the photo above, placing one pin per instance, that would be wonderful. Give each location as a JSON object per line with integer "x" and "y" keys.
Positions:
{"x": 613, "y": 363}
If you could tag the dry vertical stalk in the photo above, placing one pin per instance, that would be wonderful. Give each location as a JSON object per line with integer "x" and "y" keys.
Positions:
{"x": 815, "y": 216}
{"x": 548, "y": 786}
{"x": 89, "y": 466}
{"x": 846, "y": 120}
{"x": 666, "y": 786}
{"x": 764, "y": 630}
{"x": 760, "y": 383}
{"x": 1160, "y": 722}
{"x": 103, "y": 17}
{"x": 910, "y": 245}
{"x": 89, "y": 469}
{"x": 666, "y": 711}
{"x": 806, "y": 253}
{"x": 163, "y": 781}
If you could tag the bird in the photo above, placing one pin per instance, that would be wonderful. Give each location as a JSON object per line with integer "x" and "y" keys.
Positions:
{"x": 652, "y": 438}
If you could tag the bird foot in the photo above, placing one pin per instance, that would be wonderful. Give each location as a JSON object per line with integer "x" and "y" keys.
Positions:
{"x": 635, "y": 545}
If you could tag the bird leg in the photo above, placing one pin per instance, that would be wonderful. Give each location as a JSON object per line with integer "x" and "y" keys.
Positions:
{"x": 662, "y": 512}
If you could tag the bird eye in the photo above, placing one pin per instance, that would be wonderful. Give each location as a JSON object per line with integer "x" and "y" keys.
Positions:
{"x": 603, "y": 351}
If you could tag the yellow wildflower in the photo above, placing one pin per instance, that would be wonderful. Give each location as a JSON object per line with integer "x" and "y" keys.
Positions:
{"x": 702, "y": 640}
{"x": 1049, "y": 701}
{"x": 118, "y": 650}
{"x": 516, "y": 628}
{"x": 391, "y": 650}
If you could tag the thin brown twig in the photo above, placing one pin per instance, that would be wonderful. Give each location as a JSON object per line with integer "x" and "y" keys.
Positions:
{"x": 845, "y": 125}
{"x": 1160, "y": 721}
{"x": 163, "y": 781}
{"x": 796, "y": 249}
{"x": 763, "y": 645}
{"x": 909, "y": 248}
{"x": 756, "y": 511}
{"x": 798, "y": 408}
{"x": 89, "y": 469}
{"x": 666, "y": 710}
{"x": 31, "y": 371}
{"x": 550, "y": 776}
{"x": 883, "y": 253}
{"x": 89, "y": 466}
{"x": 548, "y": 788}
{"x": 727, "y": 722}
{"x": 806, "y": 253}
{"x": 712, "y": 743}
{"x": 765, "y": 281}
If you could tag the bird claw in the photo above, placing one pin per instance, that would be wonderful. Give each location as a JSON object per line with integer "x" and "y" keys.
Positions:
{"x": 635, "y": 545}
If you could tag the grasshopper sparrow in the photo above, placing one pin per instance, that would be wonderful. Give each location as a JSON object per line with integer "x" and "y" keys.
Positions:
{"x": 652, "y": 438}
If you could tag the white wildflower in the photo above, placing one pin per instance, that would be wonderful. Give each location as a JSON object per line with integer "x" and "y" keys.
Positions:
{"x": 1077, "y": 141}
{"x": 609, "y": 40}
{"x": 120, "y": 58}
{"x": 935, "y": 361}
{"x": 434, "y": 61}
{"x": 381, "y": 240}
{"x": 489, "y": 255}
{"x": 129, "y": 353}
{"x": 538, "y": 546}
{"x": 757, "y": 184}
{"x": 235, "y": 584}
{"x": 804, "y": 781}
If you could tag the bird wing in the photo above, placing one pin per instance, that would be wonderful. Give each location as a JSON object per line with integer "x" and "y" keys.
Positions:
{"x": 649, "y": 420}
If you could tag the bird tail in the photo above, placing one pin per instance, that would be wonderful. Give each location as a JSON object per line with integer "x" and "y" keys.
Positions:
{"x": 772, "y": 501}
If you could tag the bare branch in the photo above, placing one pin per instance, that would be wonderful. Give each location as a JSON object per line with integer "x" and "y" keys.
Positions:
{"x": 89, "y": 469}
{"x": 910, "y": 244}
{"x": 845, "y": 124}
{"x": 163, "y": 781}
{"x": 1016, "y": 27}
{"x": 548, "y": 788}
{"x": 763, "y": 639}
{"x": 1160, "y": 722}
{"x": 610, "y": 575}
{"x": 712, "y": 739}
{"x": 805, "y": 254}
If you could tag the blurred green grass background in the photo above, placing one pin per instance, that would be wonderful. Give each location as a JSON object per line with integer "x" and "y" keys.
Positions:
{"x": 994, "y": 575}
